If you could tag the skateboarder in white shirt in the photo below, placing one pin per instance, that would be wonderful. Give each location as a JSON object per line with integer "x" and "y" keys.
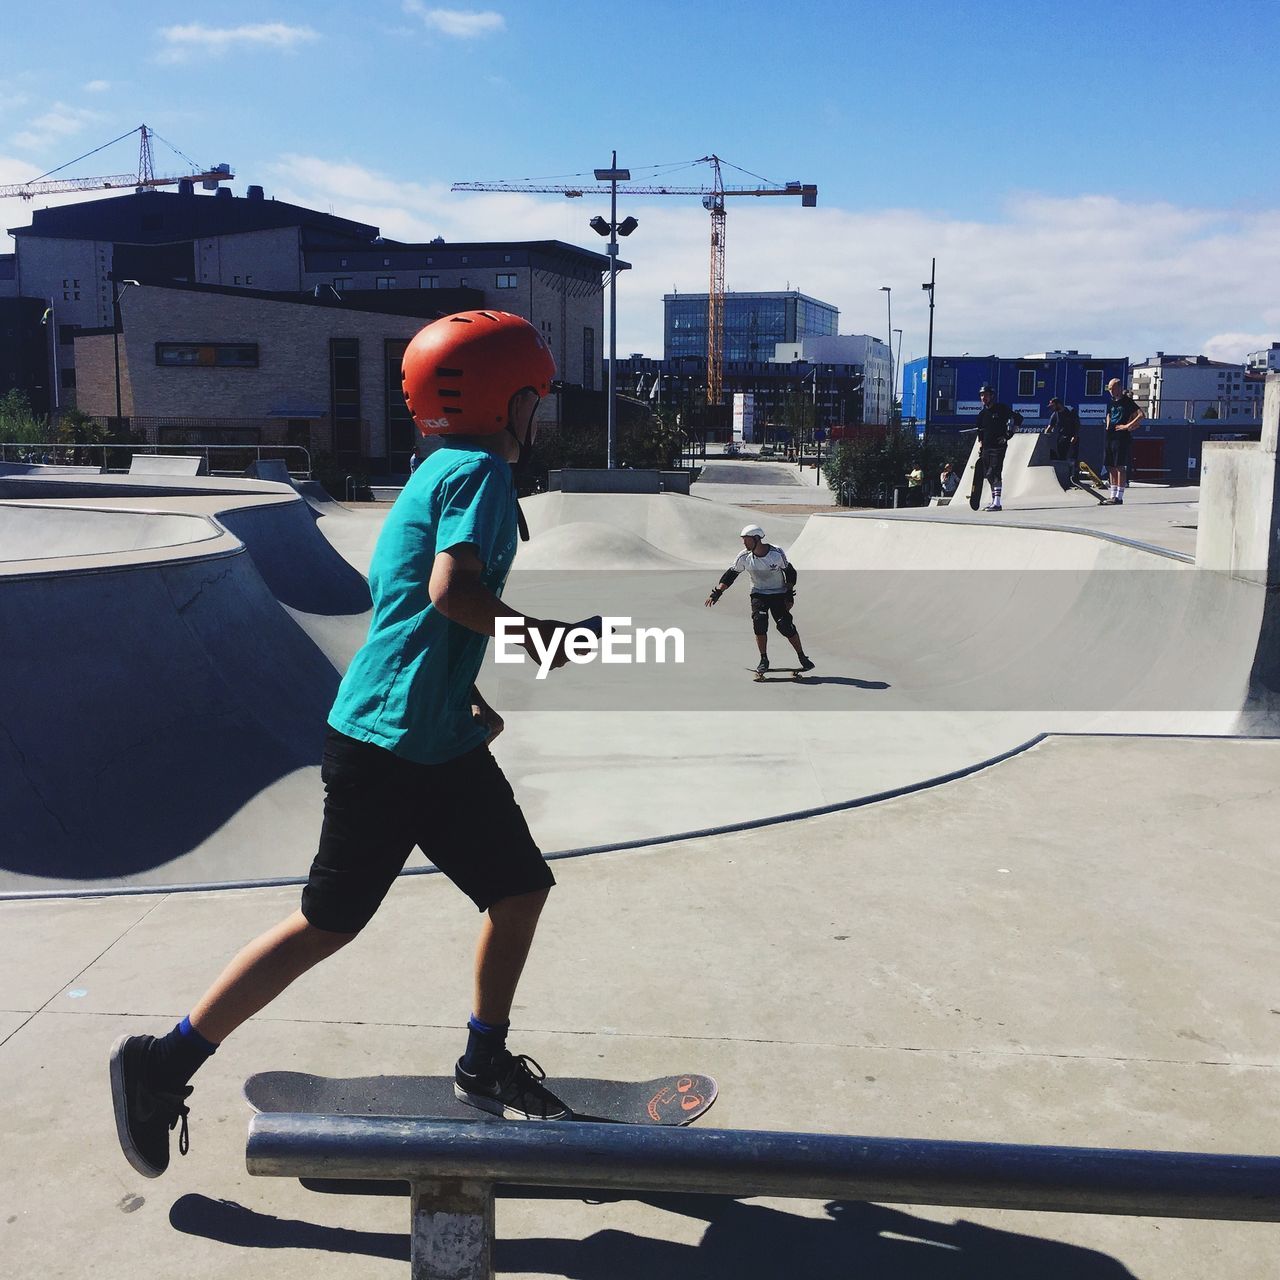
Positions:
{"x": 773, "y": 581}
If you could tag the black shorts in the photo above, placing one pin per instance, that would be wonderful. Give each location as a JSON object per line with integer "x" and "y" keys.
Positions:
{"x": 377, "y": 806}
{"x": 993, "y": 463}
{"x": 779, "y": 606}
{"x": 1119, "y": 449}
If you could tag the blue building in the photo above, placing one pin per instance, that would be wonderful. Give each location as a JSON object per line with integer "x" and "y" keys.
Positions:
{"x": 1026, "y": 383}
{"x": 754, "y": 323}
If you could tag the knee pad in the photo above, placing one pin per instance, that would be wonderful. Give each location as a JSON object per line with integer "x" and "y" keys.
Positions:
{"x": 760, "y": 621}
{"x": 786, "y": 626}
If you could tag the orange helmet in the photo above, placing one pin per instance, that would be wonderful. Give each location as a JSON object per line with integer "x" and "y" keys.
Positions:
{"x": 460, "y": 372}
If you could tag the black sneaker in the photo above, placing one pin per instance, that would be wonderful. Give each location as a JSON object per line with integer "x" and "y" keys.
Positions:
{"x": 144, "y": 1116}
{"x": 762, "y": 666}
{"x": 807, "y": 664}
{"x": 512, "y": 1089}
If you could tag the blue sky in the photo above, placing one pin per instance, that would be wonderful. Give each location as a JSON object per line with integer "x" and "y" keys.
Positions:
{"x": 1088, "y": 175}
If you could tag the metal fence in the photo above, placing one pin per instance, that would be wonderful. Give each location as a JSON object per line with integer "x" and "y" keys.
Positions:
{"x": 220, "y": 459}
{"x": 1227, "y": 412}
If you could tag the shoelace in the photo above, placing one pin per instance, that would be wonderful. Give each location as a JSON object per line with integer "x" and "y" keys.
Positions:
{"x": 523, "y": 1070}
{"x": 180, "y": 1113}
{"x": 522, "y": 1064}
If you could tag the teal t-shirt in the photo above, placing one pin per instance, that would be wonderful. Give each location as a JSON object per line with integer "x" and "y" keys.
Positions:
{"x": 409, "y": 688}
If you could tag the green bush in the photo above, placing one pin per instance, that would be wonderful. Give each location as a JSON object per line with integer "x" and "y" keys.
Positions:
{"x": 18, "y": 421}
{"x": 865, "y": 471}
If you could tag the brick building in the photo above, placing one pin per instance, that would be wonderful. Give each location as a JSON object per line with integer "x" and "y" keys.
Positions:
{"x": 275, "y": 308}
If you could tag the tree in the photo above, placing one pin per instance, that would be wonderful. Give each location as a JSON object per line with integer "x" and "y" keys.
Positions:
{"x": 19, "y": 424}
{"x": 865, "y": 470}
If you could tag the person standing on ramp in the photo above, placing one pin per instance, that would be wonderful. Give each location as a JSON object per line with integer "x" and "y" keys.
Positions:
{"x": 773, "y": 583}
{"x": 407, "y": 761}
{"x": 994, "y": 427}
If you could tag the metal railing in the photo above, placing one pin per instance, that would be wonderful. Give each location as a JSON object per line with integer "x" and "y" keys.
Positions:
{"x": 453, "y": 1167}
{"x": 112, "y": 457}
{"x": 1227, "y": 411}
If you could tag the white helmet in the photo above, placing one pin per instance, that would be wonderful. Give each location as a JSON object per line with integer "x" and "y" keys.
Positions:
{"x": 752, "y": 531}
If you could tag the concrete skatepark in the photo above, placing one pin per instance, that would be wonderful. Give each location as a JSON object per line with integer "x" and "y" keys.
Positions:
{"x": 1038, "y": 906}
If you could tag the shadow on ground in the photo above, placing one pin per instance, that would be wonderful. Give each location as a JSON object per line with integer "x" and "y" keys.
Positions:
{"x": 746, "y": 1241}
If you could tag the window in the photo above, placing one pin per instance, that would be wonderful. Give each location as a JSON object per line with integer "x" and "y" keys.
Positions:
{"x": 506, "y": 257}
{"x": 68, "y": 378}
{"x": 386, "y": 262}
{"x": 207, "y": 355}
{"x": 589, "y": 359}
{"x": 462, "y": 284}
{"x": 1093, "y": 382}
{"x": 67, "y": 334}
{"x": 386, "y": 282}
{"x": 344, "y": 387}
{"x": 342, "y": 283}
{"x": 465, "y": 260}
{"x": 505, "y": 280}
{"x": 342, "y": 262}
{"x": 1026, "y": 383}
{"x": 428, "y": 282}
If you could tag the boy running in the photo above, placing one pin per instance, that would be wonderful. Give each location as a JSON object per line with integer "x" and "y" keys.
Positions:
{"x": 773, "y": 581}
{"x": 406, "y": 760}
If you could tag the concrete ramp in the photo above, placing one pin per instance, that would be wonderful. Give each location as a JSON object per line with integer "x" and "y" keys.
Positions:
{"x": 1029, "y": 478}
{"x": 168, "y": 464}
{"x": 45, "y": 531}
{"x": 147, "y": 711}
{"x": 692, "y": 530}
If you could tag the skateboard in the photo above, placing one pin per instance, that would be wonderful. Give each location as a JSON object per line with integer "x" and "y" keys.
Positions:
{"x": 796, "y": 673}
{"x": 668, "y": 1100}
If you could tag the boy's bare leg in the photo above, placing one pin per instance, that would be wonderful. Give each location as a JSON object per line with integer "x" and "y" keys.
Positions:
{"x": 505, "y": 938}
{"x": 260, "y": 972}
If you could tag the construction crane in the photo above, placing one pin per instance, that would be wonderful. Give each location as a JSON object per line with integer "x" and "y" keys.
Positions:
{"x": 713, "y": 198}
{"x": 45, "y": 185}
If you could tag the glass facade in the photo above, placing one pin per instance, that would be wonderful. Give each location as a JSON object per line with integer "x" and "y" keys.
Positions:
{"x": 753, "y": 323}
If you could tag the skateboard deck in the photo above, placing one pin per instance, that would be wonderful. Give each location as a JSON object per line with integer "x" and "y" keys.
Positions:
{"x": 668, "y": 1100}
{"x": 796, "y": 673}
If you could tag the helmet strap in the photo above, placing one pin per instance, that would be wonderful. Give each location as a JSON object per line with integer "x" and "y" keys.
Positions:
{"x": 521, "y": 466}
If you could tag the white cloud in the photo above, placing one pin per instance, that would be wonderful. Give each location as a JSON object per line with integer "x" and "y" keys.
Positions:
{"x": 462, "y": 24}
{"x": 196, "y": 40}
{"x": 1093, "y": 273}
{"x": 1233, "y": 347}
{"x": 97, "y": 86}
{"x": 59, "y": 121}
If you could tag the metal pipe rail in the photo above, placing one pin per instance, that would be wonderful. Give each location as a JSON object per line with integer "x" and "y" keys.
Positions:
{"x": 453, "y": 1168}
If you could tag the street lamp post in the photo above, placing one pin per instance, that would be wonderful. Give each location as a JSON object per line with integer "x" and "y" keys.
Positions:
{"x": 887, "y": 290}
{"x": 613, "y": 229}
{"x": 117, "y": 289}
{"x": 897, "y": 358}
{"x": 928, "y": 368}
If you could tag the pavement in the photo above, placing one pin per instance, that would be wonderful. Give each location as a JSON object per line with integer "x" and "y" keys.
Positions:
{"x": 1012, "y": 945}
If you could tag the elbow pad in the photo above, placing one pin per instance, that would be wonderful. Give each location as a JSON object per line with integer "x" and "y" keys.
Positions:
{"x": 727, "y": 577}
{"x": 789, "y": 574}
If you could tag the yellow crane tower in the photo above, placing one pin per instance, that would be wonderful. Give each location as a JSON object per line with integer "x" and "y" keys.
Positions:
{"x": 46, "y": 185}
{"x": 713, "y": 198}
